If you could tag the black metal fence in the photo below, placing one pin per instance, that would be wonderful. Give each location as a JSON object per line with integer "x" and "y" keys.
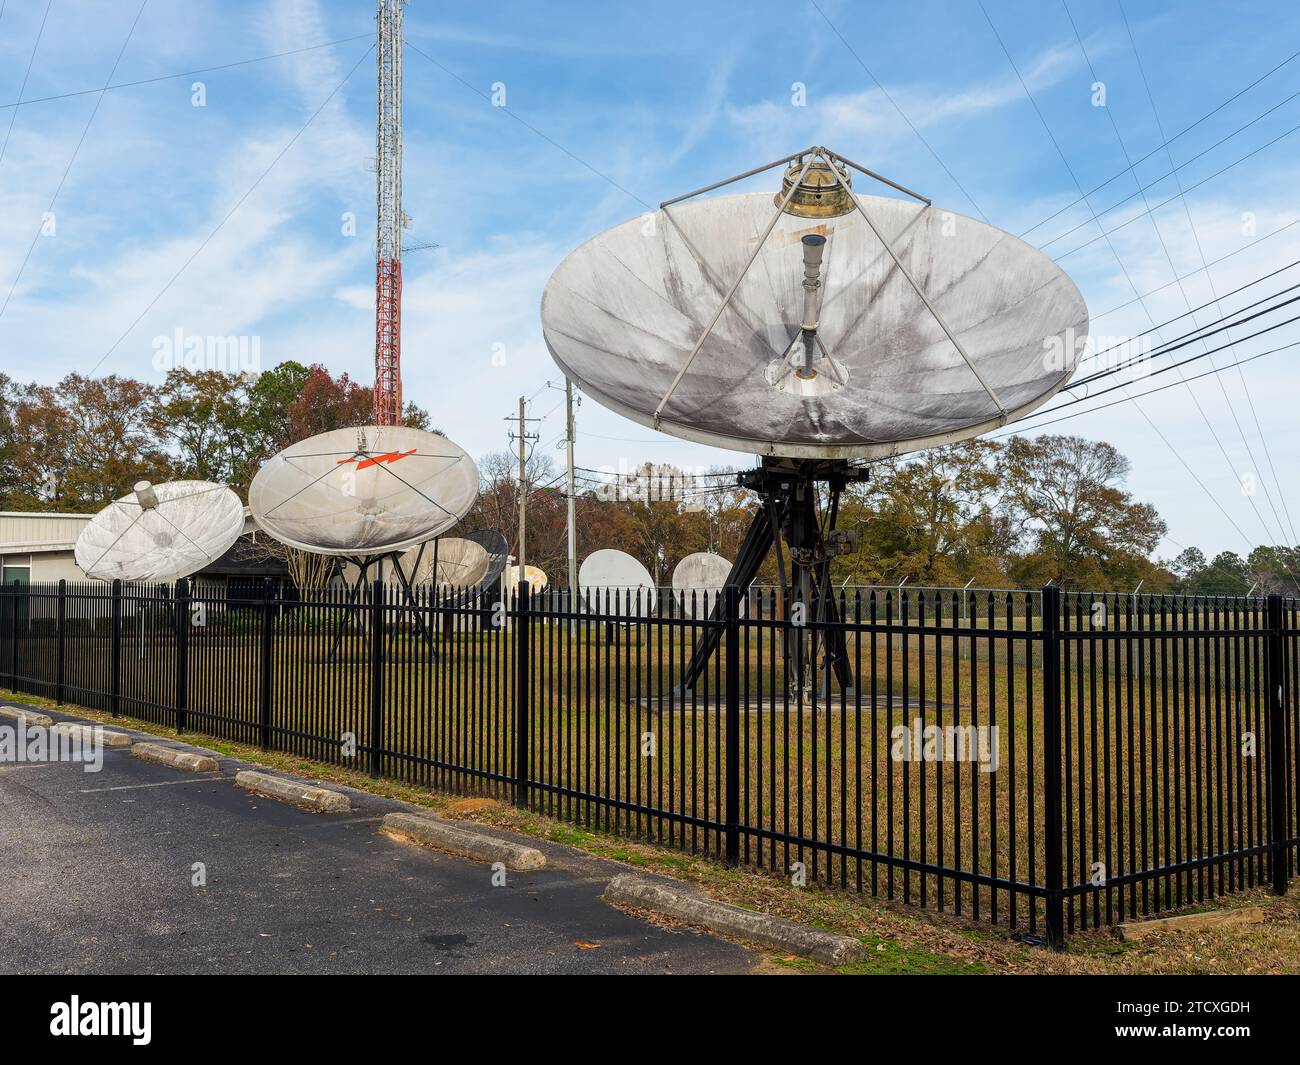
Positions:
{"x": 1039, "y": 760}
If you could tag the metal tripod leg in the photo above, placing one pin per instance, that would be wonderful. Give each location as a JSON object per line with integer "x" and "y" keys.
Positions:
{"x": 758, "y": 541}
{"x": 410, "y": 597}
{"x": 353, "y": 593}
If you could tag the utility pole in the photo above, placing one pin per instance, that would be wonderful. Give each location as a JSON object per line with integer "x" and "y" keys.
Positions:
{"x": 523, "y": 490}
{"x": 524, "y": 436}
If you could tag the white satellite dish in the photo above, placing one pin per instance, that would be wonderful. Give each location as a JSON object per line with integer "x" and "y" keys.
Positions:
{"x": 450, "y": 564}
{"x": 536, "y": 577}
{"x": 703, "y": 574}
{"x": 630, "y": 317}
{"x": 363, "y": 492}
{"x": 811, "y": 326}
{"x": 160, "y": 532}
{"x": 611, "y": 582}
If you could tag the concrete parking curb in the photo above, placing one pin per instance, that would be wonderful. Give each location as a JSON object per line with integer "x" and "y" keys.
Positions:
{"x": 30, "y": 718}
{"x": 685, "y": 905}
{"x": 176, "y": 758}
{"x": 318, "y": 800}
{"x": 433, "y": 832}
{"x": 1190, "y": 922}
{"x": 93, "y": 734}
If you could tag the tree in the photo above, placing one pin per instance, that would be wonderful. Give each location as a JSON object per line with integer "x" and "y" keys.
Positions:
{"x": 932, "y": 517}
{"x": 267, "y": 404}
{"x": 1080, "y": 526}
{"x": 1228, "y": 574}
{"x": 83, "y": 443}
{"x": 202, "y": 415}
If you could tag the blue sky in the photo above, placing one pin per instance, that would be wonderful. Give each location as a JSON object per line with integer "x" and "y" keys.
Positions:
{"x": 658, "y": 99}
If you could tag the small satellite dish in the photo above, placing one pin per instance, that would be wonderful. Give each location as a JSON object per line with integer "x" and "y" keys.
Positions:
{"x": 498, "y": 553}
{"x": 610, "y": 581}
{"x": 824, "y": 348}
{"x": 450, "y": 564}
{"x": 537, "y": 579}
{"x": 160, "y": 532}
{"x": 703, "y": 573}
{"x": 363, "y": 492}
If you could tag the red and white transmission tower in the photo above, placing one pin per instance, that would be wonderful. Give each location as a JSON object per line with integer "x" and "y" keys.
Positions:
{"x": 388, "y": 201}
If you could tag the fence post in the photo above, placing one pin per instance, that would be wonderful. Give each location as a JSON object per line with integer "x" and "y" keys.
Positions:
{"x": 9, "y": 616}
{"x": 376, "y": 674}
{"x": 13, "y": 637}
{"x": 1052, "y": 802}
{"x": 115, "y": 663}
{"x": 182, "y": 652}
{"x": 523, "y": 686}
{"x": 1275, "y": 774}
{"x": 268, "y": 638}
{"x": 61, "y": 619}
{"x": 731, "y": 665}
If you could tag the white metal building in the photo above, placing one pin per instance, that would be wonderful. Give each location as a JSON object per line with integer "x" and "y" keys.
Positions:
{"x": 38, "y": 546}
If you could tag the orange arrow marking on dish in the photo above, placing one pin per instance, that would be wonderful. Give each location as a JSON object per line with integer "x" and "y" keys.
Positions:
{"x": 375, "y": 460}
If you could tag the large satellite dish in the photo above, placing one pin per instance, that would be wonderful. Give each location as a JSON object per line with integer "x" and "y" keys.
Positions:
{"x": 363, "y": 492}
{"x": 640, "y": 317}
{"x": 811, "y": 326}
{"x": 611, "y": 582}
{"x": 160, "y": 532}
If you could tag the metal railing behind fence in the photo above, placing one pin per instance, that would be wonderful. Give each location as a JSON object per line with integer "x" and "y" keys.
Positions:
{"x": 1042, "y": 760}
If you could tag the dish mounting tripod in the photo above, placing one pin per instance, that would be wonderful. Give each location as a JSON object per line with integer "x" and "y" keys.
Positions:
{"x": 789, "y": 512}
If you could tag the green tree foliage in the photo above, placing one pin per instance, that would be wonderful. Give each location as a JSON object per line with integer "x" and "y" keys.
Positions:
{"x": 1079, "y": 525}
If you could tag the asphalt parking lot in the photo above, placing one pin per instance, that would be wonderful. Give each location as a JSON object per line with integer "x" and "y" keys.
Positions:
{"x": 99, "y": 873}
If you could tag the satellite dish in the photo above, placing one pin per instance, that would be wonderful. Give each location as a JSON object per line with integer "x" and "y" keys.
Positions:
{"x": 537, "y": 579}
{"x": 702, "y": 571}
{"x": 160, "y": 532}
{"x": 610, "y": 581}
{"x": 363, "y": 492}
{"x": 623, "y": 313}
{"x": 498, "y": 553}
{"x": 450, "y": 564}
{"x": 811, "y": 326}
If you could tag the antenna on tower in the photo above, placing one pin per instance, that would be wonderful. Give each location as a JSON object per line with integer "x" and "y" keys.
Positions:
{"x": 388, "y": 203}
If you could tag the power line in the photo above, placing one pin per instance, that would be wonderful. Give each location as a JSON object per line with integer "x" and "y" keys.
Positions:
{"x": 1174, "y": 366}
{"x": 1213, "y": 262}
{"x": 1191, "y": 337}
{"x": 30, "y": 60}
{"x": 75, "y": 152}
{"x": 1210, "y": 281}
{"x": 1106, "y": 233}
{"x": 229, "y": 214}
{"x": 1140, "y": 395}
{"x": 1120, "y": 263}
{"x": 1166, "y": 143}
{"x": 1192, "y": 312}
{"x": 1164, "y": 247}
{"x": 902, "y": 115}
{"x": 1172, "y": 172}
{"x": 183, "y": 74}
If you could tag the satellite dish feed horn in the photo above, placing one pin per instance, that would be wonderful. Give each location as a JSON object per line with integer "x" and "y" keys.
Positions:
{"x": 145, "y": 495}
